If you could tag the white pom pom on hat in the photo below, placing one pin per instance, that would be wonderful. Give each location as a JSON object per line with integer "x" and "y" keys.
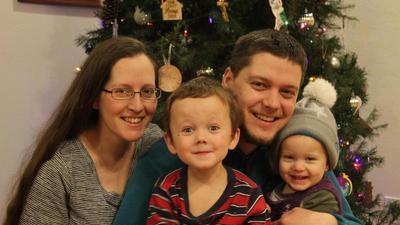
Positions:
{"x": 322, "y": 91}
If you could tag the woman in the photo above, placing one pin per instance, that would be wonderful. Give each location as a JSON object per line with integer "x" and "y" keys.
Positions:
{"x": 84, "y": 157}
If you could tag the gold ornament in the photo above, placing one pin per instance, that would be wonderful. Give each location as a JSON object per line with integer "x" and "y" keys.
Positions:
{"x": 169, "y": 78}
{"x": 171, "y": 10}
{"x": 77, "y": 70}
{"x": 335, "y": 62}
{"x": 355, "y": 103}
{"x": 223, "y": 4}
{"x": 312, "y": 78}
{"x": 307, "y": 20}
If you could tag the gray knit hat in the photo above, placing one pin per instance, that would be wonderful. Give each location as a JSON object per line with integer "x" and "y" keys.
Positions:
{"x": 312, "y": 117}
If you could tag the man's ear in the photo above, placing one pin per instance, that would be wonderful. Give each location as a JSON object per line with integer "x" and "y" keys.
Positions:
{"x": 235, "y": 139}
{"x": 170, "y": 144}
{"x": 227, "y": 77}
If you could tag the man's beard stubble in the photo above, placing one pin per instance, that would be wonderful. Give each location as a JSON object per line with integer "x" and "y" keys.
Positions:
{"x": 250, "y": 138}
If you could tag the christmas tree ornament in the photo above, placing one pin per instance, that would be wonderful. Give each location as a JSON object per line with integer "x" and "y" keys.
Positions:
{"x": 306, "y": 21}
{"x": 207, "y": 71}
{"x": 335, "y": 62}
{"x": 169, "y": 76}
{"x": 141, "y": 17}
{"x": 171, "y": 10}
{"x": 115, "y": 28}
{"x": 312, "y": 78}
{"x": 223, "y": 5}
{"x": 77, "y": 70}
{"x": 109, "y": 12}
{"x": 345, "y": 184}
{"x": 355, "y": 103}
{"x": 279, "y": 13}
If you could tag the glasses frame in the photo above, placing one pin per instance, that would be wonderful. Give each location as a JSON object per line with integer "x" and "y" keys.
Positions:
{"x": 132, "y": 95}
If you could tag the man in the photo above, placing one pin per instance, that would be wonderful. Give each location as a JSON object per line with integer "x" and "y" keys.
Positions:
{"x": 265, "y": 73}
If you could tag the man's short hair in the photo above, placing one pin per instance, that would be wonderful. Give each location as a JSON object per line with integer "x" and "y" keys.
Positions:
{"x": 270, "y": 41}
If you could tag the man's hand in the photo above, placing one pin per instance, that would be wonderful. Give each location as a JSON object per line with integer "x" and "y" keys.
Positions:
{"x": 300, "y": 216}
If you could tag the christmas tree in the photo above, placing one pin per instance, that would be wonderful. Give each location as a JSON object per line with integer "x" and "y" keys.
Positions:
{"x": 192, "y": 38}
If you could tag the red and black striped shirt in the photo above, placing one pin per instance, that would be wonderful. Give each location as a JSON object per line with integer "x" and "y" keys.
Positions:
{"x": 241, "y": 203}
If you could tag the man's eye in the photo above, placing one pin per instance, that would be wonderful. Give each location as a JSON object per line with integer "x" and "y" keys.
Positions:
{"x": 288, "y": 93}
{"x": 258, "y": 85}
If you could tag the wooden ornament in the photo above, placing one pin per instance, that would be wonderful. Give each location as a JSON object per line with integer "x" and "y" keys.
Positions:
{"x": 169, "y": 78}
{"x": 223, "y": 5}
{"x": 171, "y": 10}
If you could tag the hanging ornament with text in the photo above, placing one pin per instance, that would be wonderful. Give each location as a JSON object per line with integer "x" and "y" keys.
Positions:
{"x": 171, "y": 10}
{"x": 223, "y": 5}
{"x": 279, "y": 13}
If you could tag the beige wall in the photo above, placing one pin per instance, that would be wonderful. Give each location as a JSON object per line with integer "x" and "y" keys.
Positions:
{"x": 375, "y": 39}
{"x": 37, "y": 60}
{"x": 38, "y": 56}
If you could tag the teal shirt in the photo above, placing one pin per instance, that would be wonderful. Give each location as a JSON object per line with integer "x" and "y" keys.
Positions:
{"x": 158, "y": 161}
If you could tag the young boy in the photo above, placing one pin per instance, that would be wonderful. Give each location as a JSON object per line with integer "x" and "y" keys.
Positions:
{"x": 202, "y": 124}
{"x": 306, "y": 148}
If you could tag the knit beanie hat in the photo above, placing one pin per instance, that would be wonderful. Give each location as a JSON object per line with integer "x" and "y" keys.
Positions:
{"x": 312, "y": 117}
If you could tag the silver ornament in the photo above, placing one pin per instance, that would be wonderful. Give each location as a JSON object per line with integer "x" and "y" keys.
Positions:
{"x": 141, "y": 17}
{"x": 335, "y": 62}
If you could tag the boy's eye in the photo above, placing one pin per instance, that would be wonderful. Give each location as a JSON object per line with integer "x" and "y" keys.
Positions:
{"x": 213, "y": 128}
{"x": 187, "y": 130}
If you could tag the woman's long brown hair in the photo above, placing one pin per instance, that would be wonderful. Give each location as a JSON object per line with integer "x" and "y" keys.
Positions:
{"x": 74, "y": 114}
